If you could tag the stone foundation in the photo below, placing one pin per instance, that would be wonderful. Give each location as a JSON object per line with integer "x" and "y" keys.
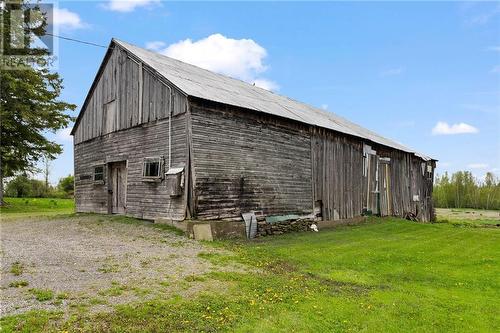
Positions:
{"x": 278, "y": 228}
{"x": 236, "y": 229}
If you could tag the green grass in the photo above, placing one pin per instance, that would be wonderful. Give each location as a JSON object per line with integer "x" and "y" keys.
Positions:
{"x": 62, "y": 296}
{"x": 42, "y": 295}
{"x": 116, "y": 289}
{"x": 387, "y": 275}
{"x": 416, "y": 277}
{"x": 28, "y": 207}
{"x": 109, "y": 268}
{"x": 17, "y": 268}
{"x": 18, "y": 284}
{"x": 470, "y": 223}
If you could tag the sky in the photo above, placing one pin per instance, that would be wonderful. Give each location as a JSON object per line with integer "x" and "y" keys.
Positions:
{"x": 426, "y": 74}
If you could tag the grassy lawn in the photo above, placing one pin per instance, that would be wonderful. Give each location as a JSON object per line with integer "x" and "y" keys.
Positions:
{"x": 387, "y": 275}
{"x": 31, "y": 207}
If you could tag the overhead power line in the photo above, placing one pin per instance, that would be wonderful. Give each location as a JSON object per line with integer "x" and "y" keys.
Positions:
{"x": 76, "y": 40}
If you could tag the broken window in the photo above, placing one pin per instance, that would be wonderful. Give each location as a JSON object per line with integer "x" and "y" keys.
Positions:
{"x": 99, "y": 173}
{"x": 151, "y": 167}
{"x": 429, "y": 171}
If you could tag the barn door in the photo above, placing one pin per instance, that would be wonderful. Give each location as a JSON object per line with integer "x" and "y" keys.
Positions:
{"x": 385, "y": 186}
{"x": 118, "y": 187}
{"x": 373, "y": 184}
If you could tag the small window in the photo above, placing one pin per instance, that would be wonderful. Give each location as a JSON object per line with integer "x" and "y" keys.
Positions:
{"x": 151, "y": 167}
{"x": 99, "y": 173}
{"x": 429, "y": 171}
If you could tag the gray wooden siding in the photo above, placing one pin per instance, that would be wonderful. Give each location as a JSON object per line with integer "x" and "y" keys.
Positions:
{"x": 245, "y": 162}
{"x": 407, "y": 180}
{"x": 127, "y": 94}
{"x": 338, "y": 174}
{"x": 144, "y": 199}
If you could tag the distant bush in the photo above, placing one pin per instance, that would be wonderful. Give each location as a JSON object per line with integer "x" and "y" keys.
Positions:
{"x": 463, "y": 190}
{"x": 23, "y": 187}
{"x": 67, "y": 185}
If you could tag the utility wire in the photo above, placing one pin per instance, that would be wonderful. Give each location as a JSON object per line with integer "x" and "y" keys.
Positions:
{"x": 77, "y": 40}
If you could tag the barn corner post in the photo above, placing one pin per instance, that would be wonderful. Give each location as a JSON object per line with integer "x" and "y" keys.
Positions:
{"x": 189, "y": 187}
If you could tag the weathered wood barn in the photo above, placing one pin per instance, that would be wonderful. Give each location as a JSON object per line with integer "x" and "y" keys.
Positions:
{"x": 157, "y": 138}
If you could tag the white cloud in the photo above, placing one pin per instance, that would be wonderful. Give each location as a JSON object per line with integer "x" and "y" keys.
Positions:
{"x": 442, "y": 128}
{"x": 65, "y": 18}
{"x": 64, "y": 134}
{"x": 155, "y": 45}
{"x": 478, "y": 166}
{"x": 324, "y": 106}
{"x": 127, "y": 6}
{"x": 392, "y": 71}
{"x": 238, "y": 58}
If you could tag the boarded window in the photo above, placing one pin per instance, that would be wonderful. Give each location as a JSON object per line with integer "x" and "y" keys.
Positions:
{"x": 99, "y": 173}
{"x": 110, "y": 117}
{"x": 151, "y": 167}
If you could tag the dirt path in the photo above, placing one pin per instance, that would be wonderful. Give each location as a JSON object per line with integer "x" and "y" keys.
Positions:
{"x": 92, "y": 259}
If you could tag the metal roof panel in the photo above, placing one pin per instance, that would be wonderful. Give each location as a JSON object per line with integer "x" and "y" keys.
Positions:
{"x": 201, "y": 83}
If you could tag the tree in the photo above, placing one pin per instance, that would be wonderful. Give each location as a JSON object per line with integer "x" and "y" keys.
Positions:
{"x": 18, "y": 187}
{"x": 463, "y": 190}
{"x": 46, "y": 170}
{"x": 67, "y": 185}
{"x": 29, "y": 107}
{"x": 23, "y": 187}
{"x": 491, "y": 186}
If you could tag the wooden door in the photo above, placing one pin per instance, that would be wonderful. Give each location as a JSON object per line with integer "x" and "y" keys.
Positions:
{"x": 118, "y": 187}
{"x": 372, "y": 190}
{"x": 385, "y": 188}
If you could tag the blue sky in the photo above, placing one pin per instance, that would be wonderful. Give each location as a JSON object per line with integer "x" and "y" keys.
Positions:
{"x": 426, "y": 74}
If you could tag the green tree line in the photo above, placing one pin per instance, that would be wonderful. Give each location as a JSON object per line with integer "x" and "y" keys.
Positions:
{"x": 23, "y": 187}
{"x": 463, "y": 190}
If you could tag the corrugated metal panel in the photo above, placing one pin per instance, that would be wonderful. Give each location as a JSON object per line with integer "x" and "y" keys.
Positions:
{"x": 201, "y": 83}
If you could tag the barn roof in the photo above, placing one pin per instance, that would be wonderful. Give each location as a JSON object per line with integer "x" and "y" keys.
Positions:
{"x": 201, "y": 83}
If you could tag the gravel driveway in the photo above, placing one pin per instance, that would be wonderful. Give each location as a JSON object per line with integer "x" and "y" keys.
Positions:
{"x": 93, "y": 259}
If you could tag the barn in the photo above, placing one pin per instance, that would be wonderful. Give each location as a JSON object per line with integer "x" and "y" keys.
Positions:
{"x": 160, "y": 139}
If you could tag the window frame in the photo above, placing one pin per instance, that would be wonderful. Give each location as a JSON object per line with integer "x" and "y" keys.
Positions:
{"x": 102, "y": 173}
{"x": 152, "y": 159}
